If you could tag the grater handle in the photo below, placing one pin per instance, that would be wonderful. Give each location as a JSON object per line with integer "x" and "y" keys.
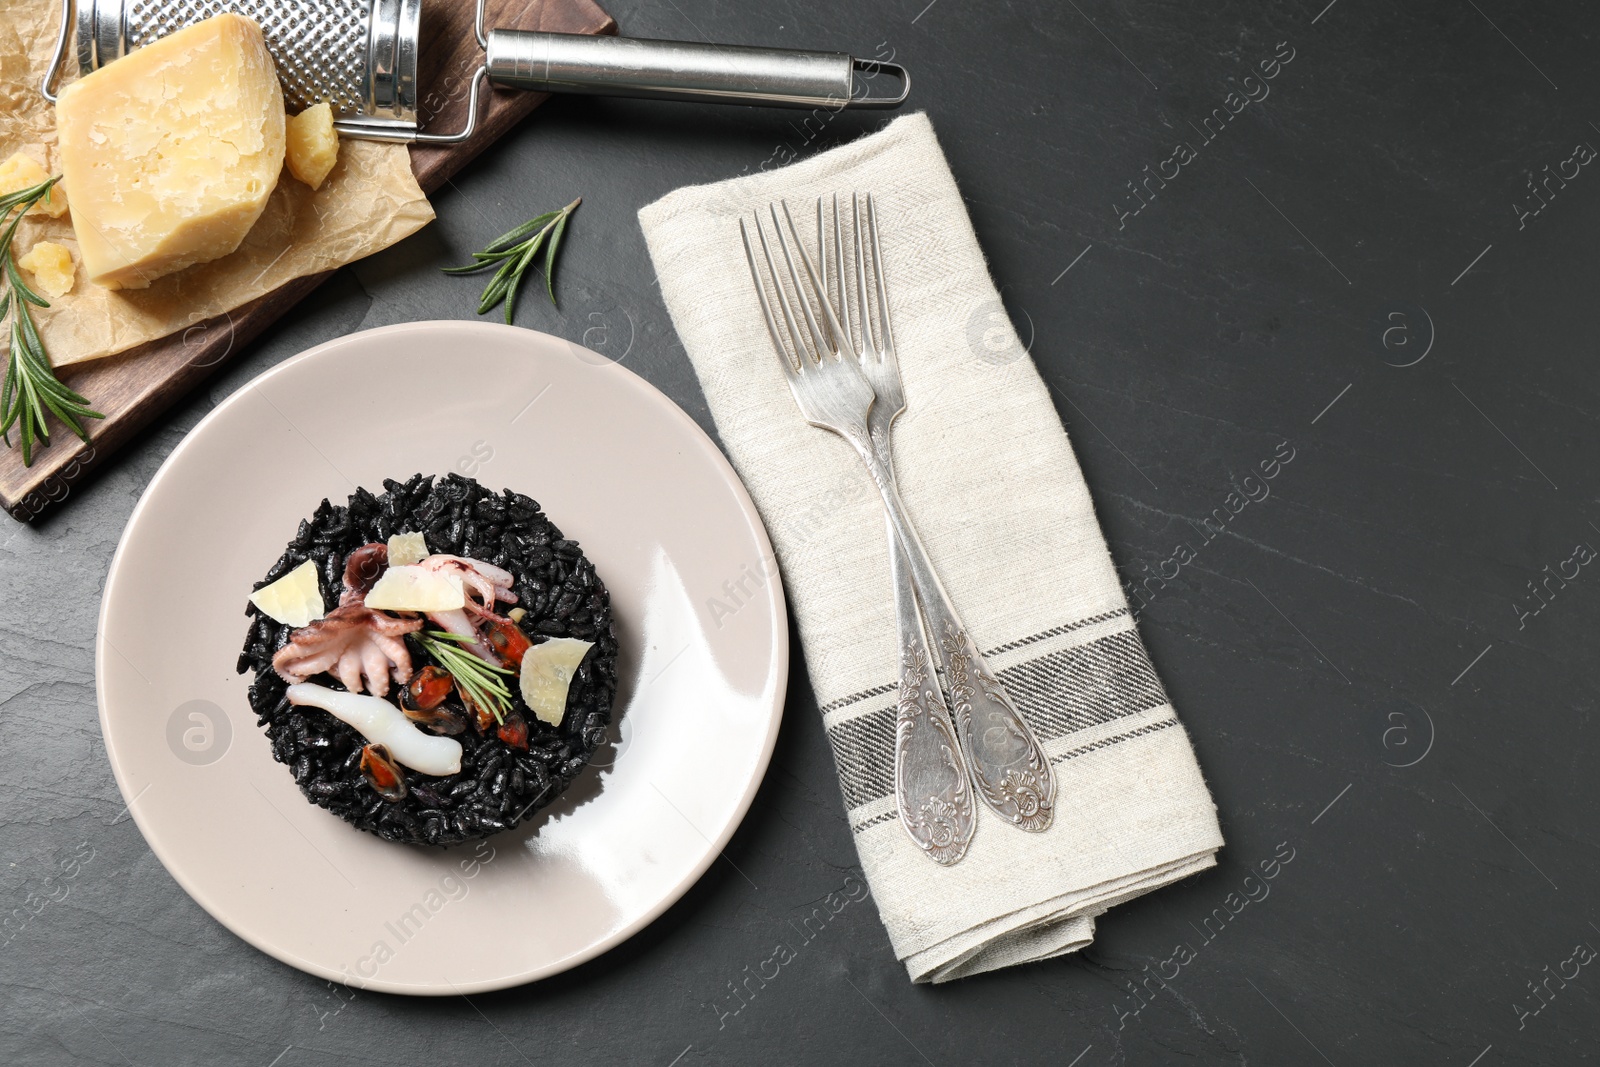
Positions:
{"x": 63, "y": 40}
{"x": 541, "y": 61}
{"x": 685, "y": 70}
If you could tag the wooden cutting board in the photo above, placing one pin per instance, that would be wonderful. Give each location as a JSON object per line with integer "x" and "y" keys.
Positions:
{"x": 133, "y": 388}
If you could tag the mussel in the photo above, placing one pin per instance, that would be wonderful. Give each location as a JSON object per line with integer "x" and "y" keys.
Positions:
{"x": 506, "y": 638}
{"x": 422, "y": 701}
{"x": 382, "y": 773}
{"x": 482, "y": 717}
{"x": 427, "y": 689}
{"x": 441, "y": 720}
{"x": 514, "y": 731}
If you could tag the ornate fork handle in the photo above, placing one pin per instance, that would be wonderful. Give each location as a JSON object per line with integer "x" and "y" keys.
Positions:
{"x": 1005, "y": 758}
{"x": 930, "y": 774}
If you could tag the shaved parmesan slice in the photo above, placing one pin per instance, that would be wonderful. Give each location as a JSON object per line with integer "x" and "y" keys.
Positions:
{"x": 416, "y": 589}
{"x": 546, "y": 674}
{"x": 295, "y": 599}
{"x": 406, "y": 549}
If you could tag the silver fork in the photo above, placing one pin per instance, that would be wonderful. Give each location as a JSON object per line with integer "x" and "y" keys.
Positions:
{"x": 935, "y": 805}
{"x": 1004, "y": 757}
{"x": 932, "y": 797}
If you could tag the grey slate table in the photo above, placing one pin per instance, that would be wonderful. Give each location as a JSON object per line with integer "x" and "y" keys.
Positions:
{"x": 1383, "y": 264}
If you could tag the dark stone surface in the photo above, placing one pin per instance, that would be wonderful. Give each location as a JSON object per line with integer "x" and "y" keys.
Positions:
{"x": 1361, "y": 618}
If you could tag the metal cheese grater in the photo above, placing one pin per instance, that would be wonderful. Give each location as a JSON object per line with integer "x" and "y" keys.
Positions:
{"x": 361, "y": 57}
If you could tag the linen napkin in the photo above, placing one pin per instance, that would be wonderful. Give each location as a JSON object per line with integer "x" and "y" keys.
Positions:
{"x": 993, "y": 487}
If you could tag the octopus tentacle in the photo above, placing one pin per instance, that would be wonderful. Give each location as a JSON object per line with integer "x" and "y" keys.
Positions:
{"x": 375, "y": 665}
{"x": 359, "y": 646}
{"x": 399, "y": 656}
{"x": 349, "y": 670}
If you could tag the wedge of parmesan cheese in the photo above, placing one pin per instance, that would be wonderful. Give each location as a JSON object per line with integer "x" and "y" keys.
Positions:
{"x": 406, "y": 549}
{"x": 546, "y": 674}
{"x": 413, "y": 588}
{"x": 171, "y": 151}
{"x": 295, "y": 599}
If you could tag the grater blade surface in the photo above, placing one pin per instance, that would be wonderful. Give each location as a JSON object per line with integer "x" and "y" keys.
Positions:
{"x": 318, "y": 45}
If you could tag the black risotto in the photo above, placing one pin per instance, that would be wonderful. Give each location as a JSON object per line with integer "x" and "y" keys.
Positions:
{"x": 498, "y": 785}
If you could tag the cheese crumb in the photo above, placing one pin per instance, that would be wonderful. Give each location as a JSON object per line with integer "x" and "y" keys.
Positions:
{"x": 313, "y": 145}
{"x": 23, "y": 172}
{"x": 51, "y": 267}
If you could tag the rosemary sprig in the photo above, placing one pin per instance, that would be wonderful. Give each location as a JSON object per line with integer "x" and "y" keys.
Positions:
{"x": 31, "y": 389}
{"x": 476, "y": 677}
{"x": 515, "y": 251}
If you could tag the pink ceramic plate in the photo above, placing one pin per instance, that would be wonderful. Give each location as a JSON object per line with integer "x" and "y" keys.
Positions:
{"x": 618, "y": 467}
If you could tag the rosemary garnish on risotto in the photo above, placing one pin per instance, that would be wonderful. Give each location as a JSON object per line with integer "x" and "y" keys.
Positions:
{"x": 475, "y": 676}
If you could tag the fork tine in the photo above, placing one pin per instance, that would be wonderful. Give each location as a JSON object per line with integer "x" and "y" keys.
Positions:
{"x": 799, "y": 286}
{"x": 822, "y": 264}
{"x": 867, "y": 342}
{"x": 802, "y": 354}
{"x": 761, "y": 294}
{"x": 822, "y": 248}
{"x": 886, "y": 337}
{"x": 838, "y": 259}
{"x": 811, "y": 273}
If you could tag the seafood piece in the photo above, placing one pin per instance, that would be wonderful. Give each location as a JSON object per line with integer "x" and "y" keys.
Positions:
{"x": 423, "y": 701}
{"x": 506, "y": 638}
{"x": 362, "y": 570}
{"x": 353, "y": 643}
{"x": 441, "y": 720}
{"x": 482, "y": 717}
{"x": 427, "y": 690}
{"x": 382, "y": 773}
{"x": 381, "y": 723}
{"x": 514, "y": 731}
{"x": 488, "y": 582}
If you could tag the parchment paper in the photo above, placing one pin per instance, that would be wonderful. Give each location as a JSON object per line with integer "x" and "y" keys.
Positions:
{"x": 370, "y": 201}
